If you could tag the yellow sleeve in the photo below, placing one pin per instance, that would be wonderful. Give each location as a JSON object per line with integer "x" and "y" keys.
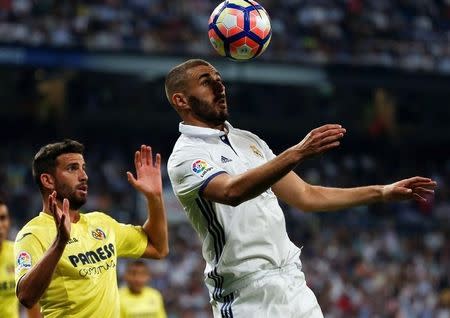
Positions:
{"x": 28, "y": 250}
{"x": 162, "y": 311}
{"x": 131, "y": 240}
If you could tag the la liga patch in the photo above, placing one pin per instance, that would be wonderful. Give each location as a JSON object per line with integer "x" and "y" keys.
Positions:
{"x": 23, "y": 260}
{"x": 200, "y": 168}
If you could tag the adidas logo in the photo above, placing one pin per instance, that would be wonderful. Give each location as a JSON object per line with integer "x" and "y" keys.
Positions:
{"x": 225, "y": 159}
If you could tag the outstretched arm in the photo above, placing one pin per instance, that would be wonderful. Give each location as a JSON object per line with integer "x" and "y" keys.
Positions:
{"x": 233, "y": 190}
{"x": 35, "y": 282}
{"x": 296, "y": 192}
{"x": 148, "y": 182}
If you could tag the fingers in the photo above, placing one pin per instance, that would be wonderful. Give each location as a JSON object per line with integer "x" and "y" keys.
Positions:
{"x": 144, "y": 156}
{"x": 158, "y": 161}
{"x": 65, "y": 207}
{"x": 326, "y": 127}
{"x": 131, "y": 179}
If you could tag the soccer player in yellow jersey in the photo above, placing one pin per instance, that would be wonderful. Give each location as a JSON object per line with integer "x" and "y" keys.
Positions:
{"x": 67, "y": 260}
{"x": 137, "y": 300}
{"x": 9, "y": 306}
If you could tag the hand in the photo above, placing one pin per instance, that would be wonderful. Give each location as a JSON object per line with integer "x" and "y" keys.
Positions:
{"x": 148, "y": 172}
{"x": 61, "y": 217}
{"x": 417, "y": 188}
{"x": 320, "y": 140}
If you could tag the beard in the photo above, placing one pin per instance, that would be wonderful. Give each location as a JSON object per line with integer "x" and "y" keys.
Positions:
{"x": 207, "y": 112}
{"x": 64, "y": 191}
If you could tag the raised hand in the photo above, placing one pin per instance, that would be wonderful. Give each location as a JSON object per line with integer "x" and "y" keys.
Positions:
{"x": 148, "y": 172}
{"x": 320, "y": 140}
{"x": 417, "y": 188}
{"x": 61, "y": 217}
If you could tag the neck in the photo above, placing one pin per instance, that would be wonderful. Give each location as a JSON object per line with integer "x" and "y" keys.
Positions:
{"x": 198, "y": 123}
{"x": 135, "y": 292}
{"x": 74, "y": 214}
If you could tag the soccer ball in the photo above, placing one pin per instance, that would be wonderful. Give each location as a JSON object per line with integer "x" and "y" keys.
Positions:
{"x": 239, "y": 29}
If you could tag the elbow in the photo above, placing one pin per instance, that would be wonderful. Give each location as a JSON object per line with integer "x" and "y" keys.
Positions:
{"x": 25, "y": 300}
{"x": 164, "y": 253}
{"x": 233, "y": 198}
{"x": 161, "y": 254}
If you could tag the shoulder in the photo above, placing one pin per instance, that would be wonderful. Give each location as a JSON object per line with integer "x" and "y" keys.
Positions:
{"x": 96, "y": 215}
{"x": 9, "y": 245}
{"x": 187, "y": 152}
{"x": 37, "y": 225}
{"x": 247, "y": 134}
{"x": 152, "y": 292}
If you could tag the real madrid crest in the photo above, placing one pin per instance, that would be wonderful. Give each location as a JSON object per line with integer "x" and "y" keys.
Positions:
{"x": 256, "y": 151}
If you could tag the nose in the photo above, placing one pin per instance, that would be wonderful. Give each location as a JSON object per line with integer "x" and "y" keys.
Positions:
{"x": 218, "y": 87}
{"x": 83, "y": 175}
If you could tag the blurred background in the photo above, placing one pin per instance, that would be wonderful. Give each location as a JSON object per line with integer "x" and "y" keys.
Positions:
{"x": 94, "y": 71}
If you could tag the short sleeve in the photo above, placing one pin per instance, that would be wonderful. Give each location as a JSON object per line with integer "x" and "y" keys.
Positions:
{"x": 190, "y": 170}
{"x": 268, "y": 153}
{"x": 131, "y": 240}
{"x": 28, "y": 250}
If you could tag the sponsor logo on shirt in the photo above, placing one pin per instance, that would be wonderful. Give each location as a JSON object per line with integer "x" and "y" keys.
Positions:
{"x": 92, "y": 257}
{"x": 98, "y": 261}
{"x": 23, "y": 260}
{"x": 98, "y": 234}
{"x": 225, "y": 159}
{"x": 201, "y": 167}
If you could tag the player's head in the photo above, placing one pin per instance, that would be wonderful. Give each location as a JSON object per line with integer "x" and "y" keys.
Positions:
{"x": 137, "y": 275}
{"x": 196, "y": 91}
{"x": 60, "y": 167}
{"x": 4, "y": 221}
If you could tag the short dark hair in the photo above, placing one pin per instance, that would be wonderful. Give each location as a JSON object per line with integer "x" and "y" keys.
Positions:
{"x": 45, "y": 159}
{"x": 137, "y": 262}
{"x": 176, "y": 78}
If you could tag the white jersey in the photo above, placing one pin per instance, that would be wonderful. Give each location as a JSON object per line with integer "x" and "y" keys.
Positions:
{"x": 238, "y": 241}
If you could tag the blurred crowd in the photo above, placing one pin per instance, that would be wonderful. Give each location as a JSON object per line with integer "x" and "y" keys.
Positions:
{"x": 378, "y": 261}
{"x": 411, "y": 34}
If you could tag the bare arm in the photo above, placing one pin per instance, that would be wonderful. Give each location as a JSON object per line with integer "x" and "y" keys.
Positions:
{"x": 233, "y": 190}
{"x": 34, "y": 312}
{"x": 296, "y": 192}
{"x": 34, "y": 283}
{"x": 149, "y": 182}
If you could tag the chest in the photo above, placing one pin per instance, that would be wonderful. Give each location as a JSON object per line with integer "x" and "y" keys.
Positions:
{"x": 90, "y": 252}
{"x": 237, "y": 154}
{"x": 7, "y": 282}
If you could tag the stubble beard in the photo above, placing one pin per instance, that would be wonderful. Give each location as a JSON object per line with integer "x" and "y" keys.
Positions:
{"x": 207, "y": 112}
{"x": 64, "y": 192}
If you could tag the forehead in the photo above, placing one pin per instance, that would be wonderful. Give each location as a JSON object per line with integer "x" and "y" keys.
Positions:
{"x": 3, "y": 209}
{"x": 70, "y": 158}
{"x": 198, "y": 71}
{"x": 138, "y": 268}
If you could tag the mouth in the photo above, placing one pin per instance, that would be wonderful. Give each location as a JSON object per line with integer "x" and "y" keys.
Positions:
{"x": 220, "y": 100}
{"x": 83, "y": 189}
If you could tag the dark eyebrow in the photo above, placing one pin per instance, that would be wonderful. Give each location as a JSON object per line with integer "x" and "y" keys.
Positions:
{"x": 208, "y": 75}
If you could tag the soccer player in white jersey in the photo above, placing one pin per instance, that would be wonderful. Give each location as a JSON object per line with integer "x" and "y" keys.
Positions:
{"x": 228, "y": 181}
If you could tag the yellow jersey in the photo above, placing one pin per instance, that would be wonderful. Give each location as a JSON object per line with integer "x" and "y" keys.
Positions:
{"x": 84, "y": 283}
{"x": 148, "y": 304}
{"x": 9, "y": 305}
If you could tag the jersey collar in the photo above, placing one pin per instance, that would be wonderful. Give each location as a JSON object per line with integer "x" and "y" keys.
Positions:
{"x": 195, "y": 131}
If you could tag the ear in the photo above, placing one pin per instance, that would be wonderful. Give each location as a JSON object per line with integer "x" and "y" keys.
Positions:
{"x": 180, "y": 101}
{"x": 48, "y": 181}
